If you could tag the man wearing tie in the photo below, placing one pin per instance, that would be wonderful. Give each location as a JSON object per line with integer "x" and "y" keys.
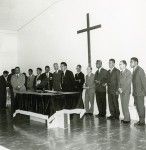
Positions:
{"x": 18, "y": 81}
{"x": 79, "y": 79}
{"x": 47, "y": 79}
{"x": 30, "y": 80}
{"x": 125, "y": 80}
{"x": 112, "y": 82}
{"x": 139, "y": 89}
{"x": 90, "y": 91}
{"x": 67, "y": 79}
{"x": 37, "y": 80}
{"x": 3, "y": 89}
{"x": 57, "y": 78}
{"x": 100, "y": 88}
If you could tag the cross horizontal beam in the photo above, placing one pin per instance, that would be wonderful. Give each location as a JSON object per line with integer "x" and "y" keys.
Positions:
{"x": 89, "y": 29}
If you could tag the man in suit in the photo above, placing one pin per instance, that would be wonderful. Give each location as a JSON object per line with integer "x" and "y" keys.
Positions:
{"x": 57, "y": 78}
{"x": 112, "y": 83}
{"x": 125, "y": 80}
{"x": 30, "y": 80}
{"x": 139, "y": 89}
{"x": 67, "y": 79}
{"x": 47, "y": 79}
{"x": 100, "y": 88}
{"x": 3, "y": 89}
{"x": 79, "y": 79}
{"x": 18, "y": 81}
{"x": 37, "y": 80}
{"x": 90, "y": 91}
{"x": 10, "y": 76}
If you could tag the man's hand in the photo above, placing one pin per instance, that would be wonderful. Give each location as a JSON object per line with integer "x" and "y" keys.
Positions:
{"x": 97, "y": 82}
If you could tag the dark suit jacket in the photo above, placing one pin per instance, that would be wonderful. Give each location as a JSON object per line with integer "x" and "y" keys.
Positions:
{"x": 139, "y": 82}
{"x": 37, "y": 87}
{"x": 113, "y": 81}
{"x": 3, "y": 85}
{"x": 57, "y": 80}
{"x": 79, "y": 81}
{"x": 68, "y": 81}
{"x": 47, "y": 82}
{"x": 102, "y": 78}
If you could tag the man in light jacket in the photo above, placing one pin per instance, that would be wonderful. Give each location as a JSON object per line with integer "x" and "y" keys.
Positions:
{"x": 125, "y": 80}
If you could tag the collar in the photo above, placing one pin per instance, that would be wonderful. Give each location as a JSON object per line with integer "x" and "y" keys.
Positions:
{"x": 99, "y": 69}
{"x": 135, "y": 68}
{"x": 89, "y": 74}
{"x": 123, "y": 70}
{"x": 56, "y": 71}
{"x": 64, "y": 71}
{"x": 111, "y": 69}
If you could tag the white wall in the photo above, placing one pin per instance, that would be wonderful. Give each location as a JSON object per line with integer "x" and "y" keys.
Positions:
{"x": 52, "y": 36}
{"x": 8, "y": 50}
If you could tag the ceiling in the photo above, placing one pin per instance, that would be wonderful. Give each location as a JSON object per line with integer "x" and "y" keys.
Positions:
{"x": 14, "y": 14}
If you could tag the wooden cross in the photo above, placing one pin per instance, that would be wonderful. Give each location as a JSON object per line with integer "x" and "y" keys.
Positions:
{"x": 88, "y": 37}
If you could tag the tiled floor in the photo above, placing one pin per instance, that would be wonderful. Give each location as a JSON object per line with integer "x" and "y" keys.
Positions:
{"x": 88, "y": 133}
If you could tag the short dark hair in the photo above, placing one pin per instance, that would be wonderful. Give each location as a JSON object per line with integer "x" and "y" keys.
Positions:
{"x": 64, "y": 63}
{"x": 113, "y": 60}
{"x": 5, "y": 72}
{"x": 30, "y": 70}
{"x": 39, "y": 69}
{"x": 97, "y": 61}
{"x": 47, "y": 67}
{"x": 124, "y": 62}
{"x": 79, "y": 66}
{"x": 17, "y": 67}
{"x": 134, "y": 59}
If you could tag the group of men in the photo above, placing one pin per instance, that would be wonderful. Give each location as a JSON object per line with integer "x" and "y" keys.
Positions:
{"x": 117, "y": 83}
{"x": 113, "y": 82}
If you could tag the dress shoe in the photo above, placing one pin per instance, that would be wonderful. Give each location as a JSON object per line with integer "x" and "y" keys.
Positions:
{"x": 125, "y": 122}
{"x": 139, "y": 123}
{"x": 117, "y": 118}
{"x": 98, "y": 116}
{"x": 111, "y": 118}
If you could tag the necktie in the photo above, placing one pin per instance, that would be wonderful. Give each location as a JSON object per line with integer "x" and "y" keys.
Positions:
{"x": 62, "y": 76}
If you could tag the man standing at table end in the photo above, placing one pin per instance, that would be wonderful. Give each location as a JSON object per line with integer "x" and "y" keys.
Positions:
{"x": 139, "y": 89}
{"x": 67, "y": 79}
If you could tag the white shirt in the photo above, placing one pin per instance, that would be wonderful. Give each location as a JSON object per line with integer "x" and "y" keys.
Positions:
{"x": 99, "y": 69}
{"x": 111, "y": 69}
{"x": 64, "y": 72}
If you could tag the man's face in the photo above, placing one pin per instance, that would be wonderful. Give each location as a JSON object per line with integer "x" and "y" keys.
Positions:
{"x": 78, "y": 69}
{"x": 47, "y": 69}
{"x": 56, "y": 67}
{"x": 63, "y": 68}
{"x": 17, "y": 70}
{"x": 39, "y": 72}
{"x": 98, "y": 64}
{"x": 132, "y": 64}
{"x": 111, "y": 64}
{"x": 122, "y": 66}
{"x": 5, "y": 75}
{"x": 89, "y": 70}
{"x": 30, "y": 72}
